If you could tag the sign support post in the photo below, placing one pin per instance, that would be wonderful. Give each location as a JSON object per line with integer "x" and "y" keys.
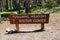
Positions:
{"x": 42, "y": 26}
{"x": 17, "y": 27}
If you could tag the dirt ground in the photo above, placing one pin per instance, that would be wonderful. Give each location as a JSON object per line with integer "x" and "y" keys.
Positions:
{"x": 52, "y": 30}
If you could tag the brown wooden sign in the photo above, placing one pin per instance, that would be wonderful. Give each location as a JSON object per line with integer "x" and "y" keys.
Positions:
{"x": 29, "y": 18}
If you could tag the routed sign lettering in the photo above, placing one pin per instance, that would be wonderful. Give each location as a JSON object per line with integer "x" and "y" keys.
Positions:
{"x": 28, "y": 18}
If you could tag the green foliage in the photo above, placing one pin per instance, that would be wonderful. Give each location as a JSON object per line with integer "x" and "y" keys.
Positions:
{"x": 58, "y": 2}
{"x": 51, "y": 3}
{"x": 44, "y": 5}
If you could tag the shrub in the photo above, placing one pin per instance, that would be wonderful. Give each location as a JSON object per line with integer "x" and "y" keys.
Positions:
{"x": 51, "y": 3}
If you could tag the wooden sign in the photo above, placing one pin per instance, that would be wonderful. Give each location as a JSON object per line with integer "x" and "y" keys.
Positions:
{"x": 29, "y": 18}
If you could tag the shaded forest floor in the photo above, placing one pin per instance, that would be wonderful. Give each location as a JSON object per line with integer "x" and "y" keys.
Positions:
{"x": 52, "y": 30}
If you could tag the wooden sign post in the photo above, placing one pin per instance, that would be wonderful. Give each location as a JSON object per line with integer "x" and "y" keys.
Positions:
{"x": 17, "y": 27}
{"x": 42, "y": 26}
{"x": 29, "y": 19}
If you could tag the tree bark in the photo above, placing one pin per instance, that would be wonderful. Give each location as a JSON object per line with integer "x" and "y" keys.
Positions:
{"x": 27, "y": 6}
{"x": 0, "y": 6}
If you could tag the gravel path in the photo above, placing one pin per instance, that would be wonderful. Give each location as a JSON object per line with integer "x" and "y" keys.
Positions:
{"x": 52, "y": 30}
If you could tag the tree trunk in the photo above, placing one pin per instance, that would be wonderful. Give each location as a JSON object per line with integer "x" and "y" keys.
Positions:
{"x": 11, "y": 4}
{"x": 7, "y": 4}
{"x": 27, "y": 6}
{"x": 43, "y": 3}
{"x": 0, "y": 6}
